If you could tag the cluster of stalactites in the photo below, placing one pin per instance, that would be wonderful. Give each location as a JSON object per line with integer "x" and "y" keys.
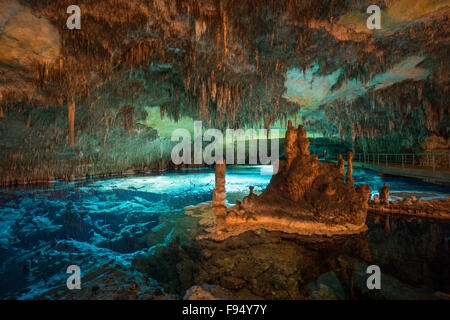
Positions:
{"x": 411, "y": 108}
{"x": 212, "y": 89}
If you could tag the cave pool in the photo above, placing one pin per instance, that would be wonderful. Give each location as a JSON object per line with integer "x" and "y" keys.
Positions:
{"x": 39, "y": 236}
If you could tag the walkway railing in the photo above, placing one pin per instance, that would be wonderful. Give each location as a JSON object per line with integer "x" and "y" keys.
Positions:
{"x": 434, "y": 161}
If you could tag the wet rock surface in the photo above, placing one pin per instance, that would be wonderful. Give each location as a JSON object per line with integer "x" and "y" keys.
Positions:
{"x": 111, "y": 281}
{"x": 267, "y": 265}
{"x": 208, "y": 292}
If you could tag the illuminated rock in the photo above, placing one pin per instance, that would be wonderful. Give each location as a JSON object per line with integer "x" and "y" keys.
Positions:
{"x": 384, "y": 194}
{"x": 349, "y": 176}
{"x": 376, "y": 199}
{"x": 431, "y": 208}
{"x": 219, "y": 194}
{"x": 207, "y": 292}
{"x": 26, "y": 38}
{"x": 302, "y": 140}
{"x": 290, "y": 144}
{"x": 341, "y": 165}
{"x": 306, "y": 197}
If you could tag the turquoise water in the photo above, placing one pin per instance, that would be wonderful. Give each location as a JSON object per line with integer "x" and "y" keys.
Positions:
{"x": 92, "y": 222}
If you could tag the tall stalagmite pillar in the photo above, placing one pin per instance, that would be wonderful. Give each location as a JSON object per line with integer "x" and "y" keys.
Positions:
{"x": 290, "y": 144}
{"x": 341, "y": 165}
{"x": 384, "y": 194}
{"x": 349, "y": 176}
{"x": 219, "y": 194}
{"x": 71, "y": 112}
{"x": 302, "y": 140}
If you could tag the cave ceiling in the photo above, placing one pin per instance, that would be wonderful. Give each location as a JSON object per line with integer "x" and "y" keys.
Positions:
{"x": 234, "y": 63}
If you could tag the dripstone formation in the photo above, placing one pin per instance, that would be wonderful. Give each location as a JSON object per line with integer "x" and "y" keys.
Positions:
{"x": 307, "y": 188}
{"x": 306, "y": 197}
{"x": 219, "y": 195}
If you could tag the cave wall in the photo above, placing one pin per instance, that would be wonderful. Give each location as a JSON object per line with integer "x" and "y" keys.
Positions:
{"x": 36, "y": 145}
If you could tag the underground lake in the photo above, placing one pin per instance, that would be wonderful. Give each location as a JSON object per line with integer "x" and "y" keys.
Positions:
{"x": 133, "y": 232}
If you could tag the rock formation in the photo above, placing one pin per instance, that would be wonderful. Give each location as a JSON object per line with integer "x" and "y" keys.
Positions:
{"x": 384, "y": 194}
{"x": 219, "y": 195}
{"x": 349, "y": 175}
{"x": 438, "y": 208}
{"x": 306, "y": 196}
{"x": 409, "y": 205}
{"x": 270, "y": 266}
{"x": 341, "y": 165}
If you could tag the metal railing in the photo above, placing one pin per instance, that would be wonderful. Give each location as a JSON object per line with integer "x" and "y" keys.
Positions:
{"x": 434, "y": 161}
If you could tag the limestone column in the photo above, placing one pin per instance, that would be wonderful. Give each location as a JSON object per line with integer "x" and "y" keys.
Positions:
{"x": 290, "y": 144}
{"x": 302, "y": 140}
{"x": 219, "y": 194}
{"x": 349, "y": 176}
{"x": 384, "y": 194}
{"x": 366, "y": 193}
{"x": 341, "y": 165}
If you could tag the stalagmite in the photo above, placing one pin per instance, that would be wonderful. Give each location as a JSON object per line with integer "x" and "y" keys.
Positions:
{"x": 349, "y": 175}
{"x": 219, "y": 194}
{"x": 305, "y": 189}
{"x": 303, "y": 142}
{"x": 341, "y": 165}
{"x": 384, "y": 194}
{"x": 290, "y": 144}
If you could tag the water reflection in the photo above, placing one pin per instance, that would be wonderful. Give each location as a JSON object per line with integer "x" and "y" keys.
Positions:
{"x": 413, "y": 256}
